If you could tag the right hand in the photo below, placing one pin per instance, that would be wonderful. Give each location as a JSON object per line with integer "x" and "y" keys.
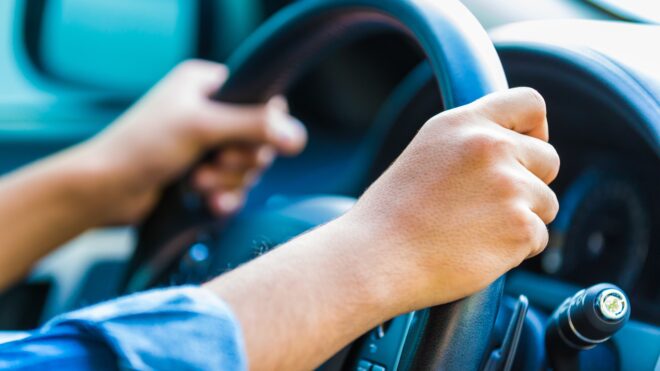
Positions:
{"x": 464, "y": 203}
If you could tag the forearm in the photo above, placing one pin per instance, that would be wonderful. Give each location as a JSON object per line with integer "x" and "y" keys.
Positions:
{"x": 303, "y": 302}
{"x": 43, "y": 206}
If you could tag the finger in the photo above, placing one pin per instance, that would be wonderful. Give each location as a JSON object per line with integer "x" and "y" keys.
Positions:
{"x": 542, "y": 237}
{"x": 292, "y": 135}
{"x": 541, "y": 199}
{"x": 280, "y": 102}
{"x": 539, "y": 157}
{"x": 520, "y": 109}
{"x": 226, "y": 203}
{"x": 265, "y": 156}
{"x": 252, "y": 124}
{"x": 199, "y": 75}
{"x": 242, "y": 157}
{"x": 208, "y": 178}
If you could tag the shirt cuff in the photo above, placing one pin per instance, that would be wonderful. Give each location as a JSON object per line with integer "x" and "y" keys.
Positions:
{"x": 184, "y": 327}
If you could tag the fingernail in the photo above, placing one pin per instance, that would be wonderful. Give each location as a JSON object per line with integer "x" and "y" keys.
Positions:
{"x": 228, "y": 203}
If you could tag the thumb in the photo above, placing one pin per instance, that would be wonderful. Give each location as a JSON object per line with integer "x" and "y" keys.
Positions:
{"x": 262, "y": 124}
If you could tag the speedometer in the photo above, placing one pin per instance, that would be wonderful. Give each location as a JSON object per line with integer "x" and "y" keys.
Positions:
{"x": 602, "y": 232}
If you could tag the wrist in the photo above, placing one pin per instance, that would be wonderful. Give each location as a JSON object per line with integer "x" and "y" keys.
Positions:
{"x": 327, "y": 287}
{"x": 396, "y": 268}
{"x": 362, "y": 254}
{"x": 94, "y": 185}
{"x": 117, "y": 191}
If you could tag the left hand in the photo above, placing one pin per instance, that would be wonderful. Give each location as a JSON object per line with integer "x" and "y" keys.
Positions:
{"x": 171, "y": 128}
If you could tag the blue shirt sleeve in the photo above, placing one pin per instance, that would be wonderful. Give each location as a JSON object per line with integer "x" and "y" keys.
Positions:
{"x": 183, "y": 328}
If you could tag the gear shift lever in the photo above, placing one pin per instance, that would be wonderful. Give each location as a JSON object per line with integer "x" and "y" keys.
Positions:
{"x": 583, "y": 321}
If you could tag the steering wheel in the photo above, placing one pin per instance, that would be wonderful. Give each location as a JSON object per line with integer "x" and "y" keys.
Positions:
{"x": 454, "y": 336}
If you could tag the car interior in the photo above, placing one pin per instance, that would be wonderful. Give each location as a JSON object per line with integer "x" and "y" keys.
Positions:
{"x": 364, "y": 76}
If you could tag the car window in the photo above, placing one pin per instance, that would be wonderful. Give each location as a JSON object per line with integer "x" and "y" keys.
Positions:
{"x": 120, "y": 44}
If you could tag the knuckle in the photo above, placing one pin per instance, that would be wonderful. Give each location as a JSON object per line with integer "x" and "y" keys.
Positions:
{"x": 524, "y": 227}
{"x": 535, "y": 100}
{"x": 506, "y": 185}
{"x": 549, "y": 161}
{"x": 486, "y": 145}
{"x": 195, "y": 73}
{"x": 437, "y": 122}
{"x": 188, "y": 67}
{"x": 454, "y": 118}
{"x": 553, "y": 206}
{"x": 195, "y": 127}
{"x": 543, "y": 238}
{"x": 500, "y": 145}
{"x": 185, "y": 68}
{"x": 554, "y": 163}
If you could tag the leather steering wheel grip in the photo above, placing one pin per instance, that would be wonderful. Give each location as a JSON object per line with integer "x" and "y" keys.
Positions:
{"x": 466, "y": 67}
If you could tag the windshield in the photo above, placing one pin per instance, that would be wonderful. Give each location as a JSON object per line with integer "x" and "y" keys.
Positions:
{"x": 645, "y": 11}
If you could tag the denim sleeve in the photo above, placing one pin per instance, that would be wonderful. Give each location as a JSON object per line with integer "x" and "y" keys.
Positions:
{"x": 184, "y": 328}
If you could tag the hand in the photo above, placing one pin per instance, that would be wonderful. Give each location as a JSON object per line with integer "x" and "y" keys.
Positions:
{"x": 176, "y": 124}
{"x": 465, "y": 202}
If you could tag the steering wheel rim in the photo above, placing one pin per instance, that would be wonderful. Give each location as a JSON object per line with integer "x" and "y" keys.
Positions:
{"x": 466, "y": 67}
{"x": 459, "y": 51}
